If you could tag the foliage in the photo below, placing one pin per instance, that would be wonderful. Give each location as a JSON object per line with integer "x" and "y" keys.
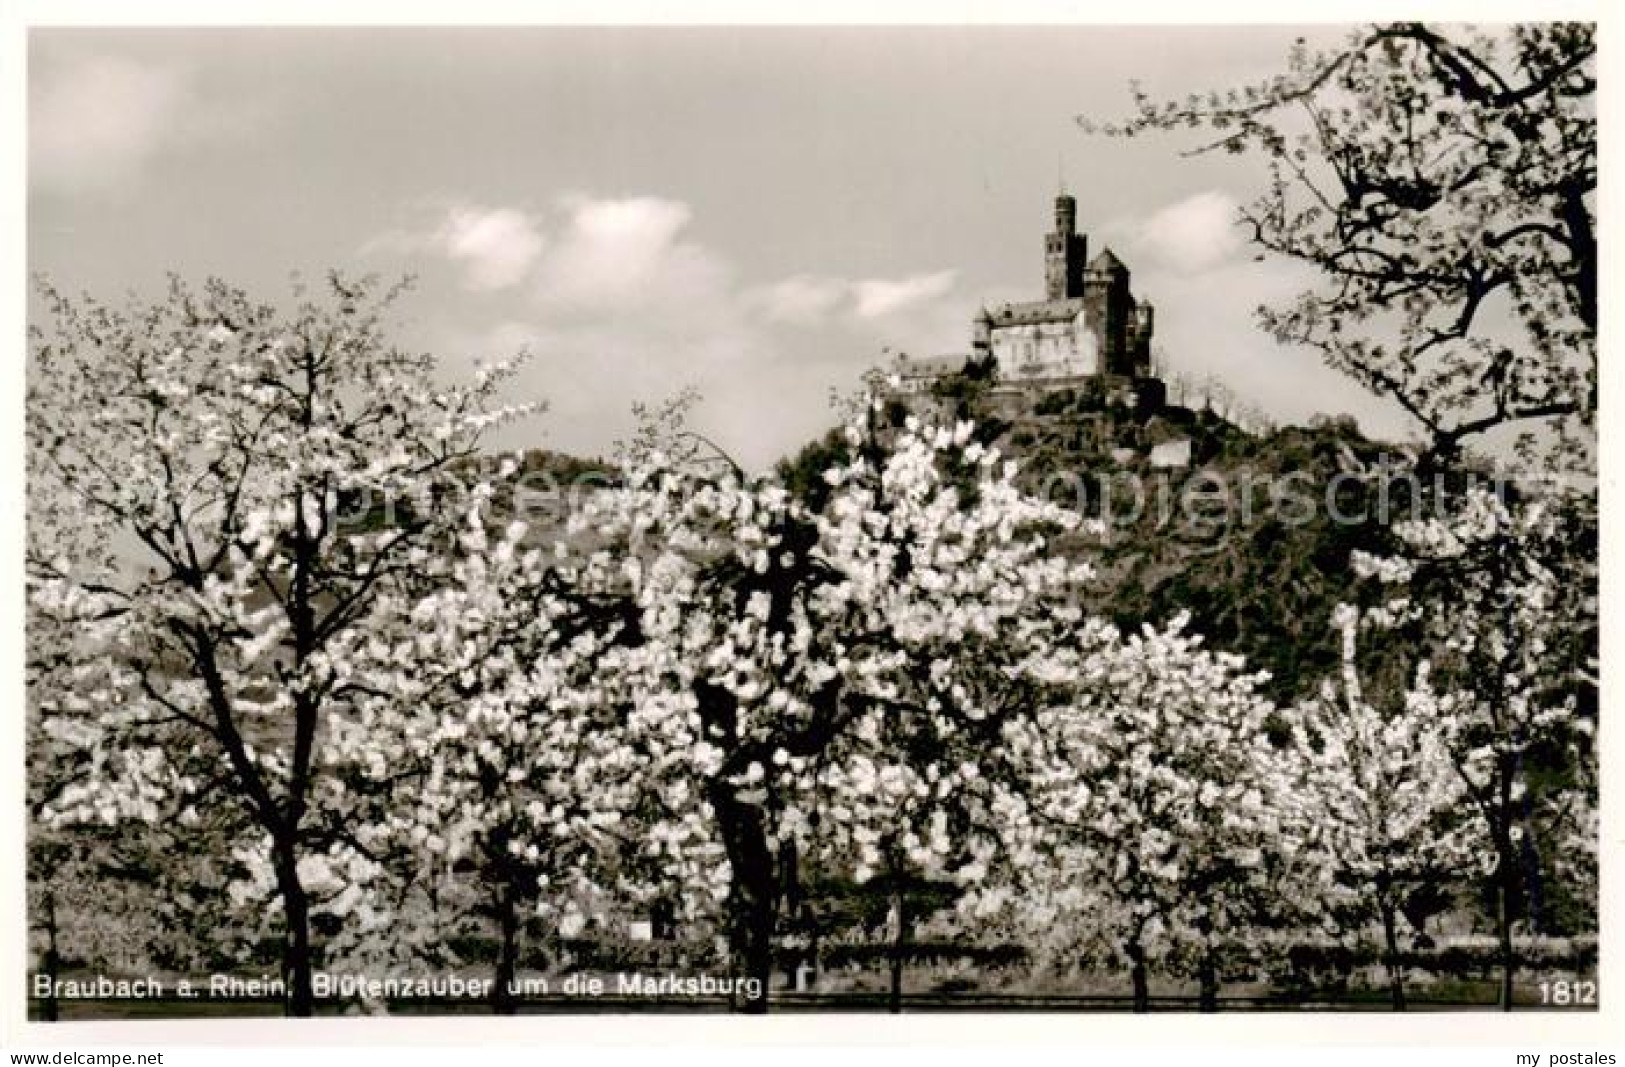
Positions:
{"x": 1442, "y": 183}
{"x": 307, "y": 635}
{"x": 190, "y": 464}
{"x": 1378, "y": 804}
{"x": 488, "y": 729}
{"x": 1155, "y": 814}
{"x": 836, "y": 680}
{"x": 1498, "y": 597}
{"x": 1261, "y": 570}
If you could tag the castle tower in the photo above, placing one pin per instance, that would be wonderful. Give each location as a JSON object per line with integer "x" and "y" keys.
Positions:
{"x": 1064, "y": 253}
{"x": 1109, "y": 307}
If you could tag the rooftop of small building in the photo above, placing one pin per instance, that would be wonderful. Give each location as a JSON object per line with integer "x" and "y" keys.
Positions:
{"x": 929, "y": 366}
{"x": 1033, "y": 312}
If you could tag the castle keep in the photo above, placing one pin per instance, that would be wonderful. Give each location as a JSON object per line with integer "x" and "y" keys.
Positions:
{"x": 1088, "y": 326}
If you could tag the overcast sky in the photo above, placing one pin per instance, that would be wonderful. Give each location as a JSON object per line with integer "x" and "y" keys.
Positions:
{"x": 754, "y": 212}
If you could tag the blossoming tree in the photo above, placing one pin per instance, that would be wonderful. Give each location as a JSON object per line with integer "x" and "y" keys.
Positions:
{"x": 1154, "y": 806}
{"x": 1375, "y": 796}
{"x": 1441, "y": 181}
{"x": 490, "y": 733}
{"x": 204, "y": 473}
{"x": 1499, "y": 594}
{"x": 839, "y": 678}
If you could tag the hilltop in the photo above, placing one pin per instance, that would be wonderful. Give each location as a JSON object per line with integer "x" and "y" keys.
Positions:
{"x": 1201, "y": 516}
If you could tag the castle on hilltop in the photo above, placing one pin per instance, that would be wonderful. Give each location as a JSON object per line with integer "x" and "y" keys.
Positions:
{"x": 1088, "y": 327}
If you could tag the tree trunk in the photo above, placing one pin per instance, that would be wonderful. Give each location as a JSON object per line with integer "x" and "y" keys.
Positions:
{"x": 899, "y": 943}
{"x": 298, "y": 999}
{"x": 1506, "y": 882}
{"x": 1142, "y": 986}
{"x": 1503, "y": 928}
{"x": 53, "y": 960}
{"x": 503, "y": 1001}
{"x": 1208, "y": 980}
{"x": 751, "y": 896}
{"x": 1396, "y": 973}
{"x": 791, "y": 906}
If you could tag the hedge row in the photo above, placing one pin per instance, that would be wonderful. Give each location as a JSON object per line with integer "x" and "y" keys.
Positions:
{"x": 1297, "y": 964}
{"x": 924, "y": 953}
{"x": 1467, "y": 959}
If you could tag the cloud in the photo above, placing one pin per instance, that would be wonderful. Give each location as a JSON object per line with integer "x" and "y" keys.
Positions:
{"x": 495, "y": 247}
{"x": 632, "y": 260}
{"x": 95, "y": 121}
{"x": 801, "y": 300}
{"x": 810, "y": 300}
{"x": 97, "y": 124}
{"x": 617, "y": 259}
{"x": 879, "y": 296}
{"x": 1193, "y": 235}
{"x": 630, "y": 257}
{"x": 611, "y": 249}
{"x": 489, "y": 248}
{"x": 620, "y": 300}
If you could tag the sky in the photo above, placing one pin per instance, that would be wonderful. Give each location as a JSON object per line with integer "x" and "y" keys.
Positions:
{"x": 759, "y": 213}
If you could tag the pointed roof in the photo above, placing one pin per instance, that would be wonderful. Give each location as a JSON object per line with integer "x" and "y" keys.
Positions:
{"x": 1108, "y": 263}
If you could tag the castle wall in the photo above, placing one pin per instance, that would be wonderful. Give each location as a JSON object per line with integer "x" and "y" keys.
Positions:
{"x": 1044, "y": 350}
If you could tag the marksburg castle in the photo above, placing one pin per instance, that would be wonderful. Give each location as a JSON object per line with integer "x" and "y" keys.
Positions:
{"x": 1088, "y": 329}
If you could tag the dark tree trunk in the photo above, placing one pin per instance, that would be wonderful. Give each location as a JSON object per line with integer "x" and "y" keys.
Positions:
{"x": 899, "y": 943}
{"x": 53, "y": 960}
{"x": 790, "y": 896}
{"x": 298, "y": 1001}
{"x": 1506, "y": 885}
{"x": 751, "y": 896}
{"x": 1142, "y": 985}
{"x": 503, "y": 1001}
{"x": 1396, "y": 972}
{"x": 1208, "y": 981}
{"x": 1504, "y": 891}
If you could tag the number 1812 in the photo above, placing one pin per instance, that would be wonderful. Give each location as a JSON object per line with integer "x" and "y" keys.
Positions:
{"x": 1563, "y": 993}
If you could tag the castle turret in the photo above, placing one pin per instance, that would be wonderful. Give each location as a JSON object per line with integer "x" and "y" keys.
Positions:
{"x": 1064, "y": 253}
{"x": 1066, "y": 213}
{"x": 1109, "y": 307}
{"x": 1143, "y": 323}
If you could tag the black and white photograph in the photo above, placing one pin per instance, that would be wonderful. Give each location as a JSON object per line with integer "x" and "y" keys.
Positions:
{"x": 630, "y": 520}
